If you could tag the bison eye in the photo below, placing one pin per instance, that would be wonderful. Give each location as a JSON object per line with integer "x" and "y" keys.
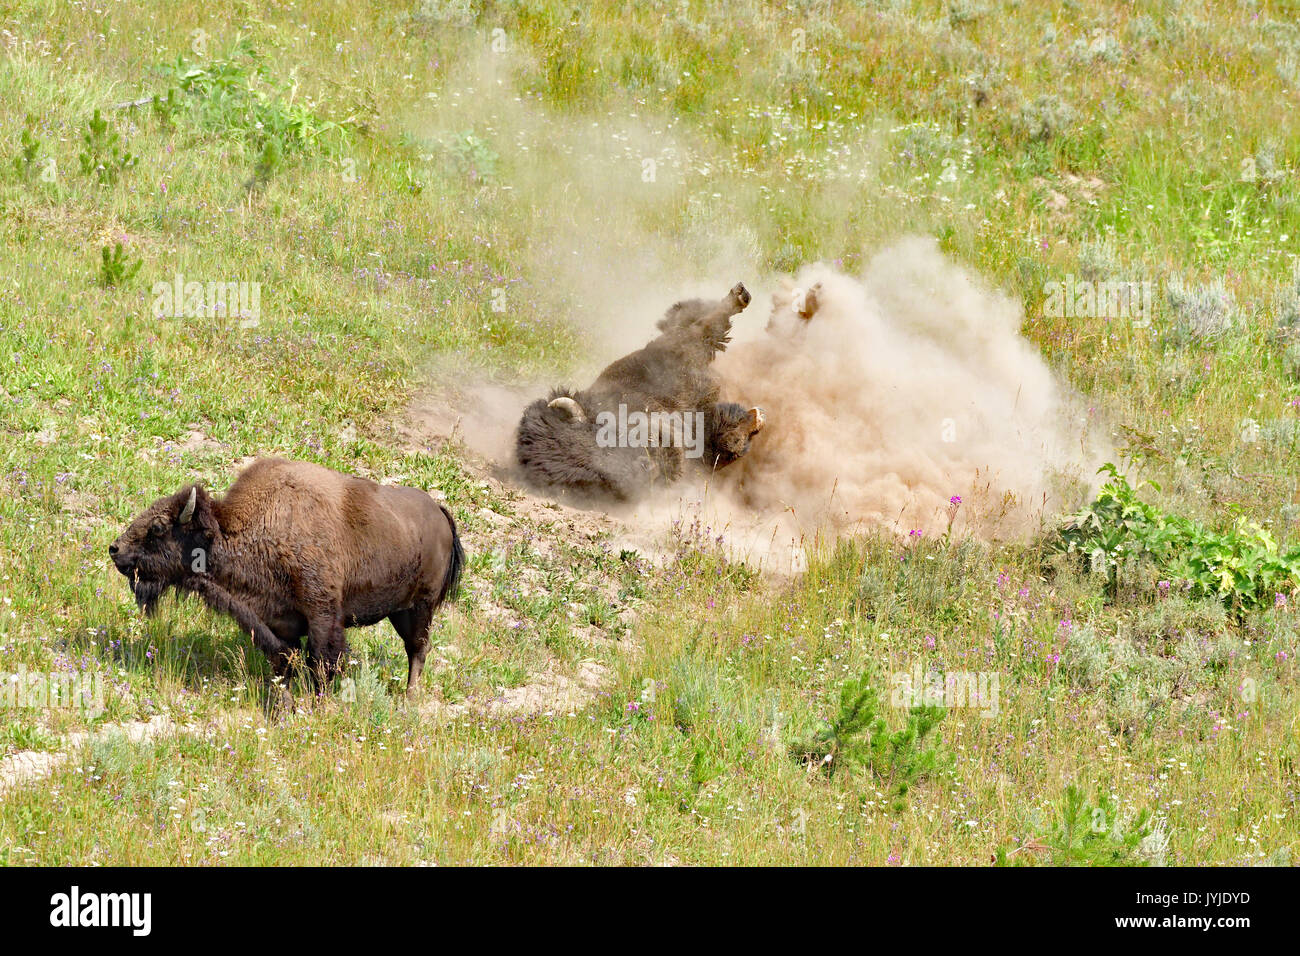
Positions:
{"x": 158, "y": 527}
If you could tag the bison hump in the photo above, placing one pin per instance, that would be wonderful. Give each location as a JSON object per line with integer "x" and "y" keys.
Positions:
{"x": 559, "y": 452}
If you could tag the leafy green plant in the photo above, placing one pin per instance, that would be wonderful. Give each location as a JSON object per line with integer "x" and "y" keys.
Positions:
{"x": 268, "y": 163}
{"x": 29, "y": 148}
{"x": 474, "y": 157}
{"x": 166, "y": 108}
{"x": 1243, "y": 567}
{"x": 1089, "y": 833}
{"x": 115, "y": 268}
{"x": 859, "y": 737}
{"x": 102, "y": 155}
{"x": 23, "y": 736}
{"x": 236, "y": 96}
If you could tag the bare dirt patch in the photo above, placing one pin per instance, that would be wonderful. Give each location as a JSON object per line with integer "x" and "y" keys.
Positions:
{"x": 478, "y": 422}
{"x": 28, "y": 766}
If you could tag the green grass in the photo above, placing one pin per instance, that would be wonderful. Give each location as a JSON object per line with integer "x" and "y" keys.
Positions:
{"x": 359, "y": 163}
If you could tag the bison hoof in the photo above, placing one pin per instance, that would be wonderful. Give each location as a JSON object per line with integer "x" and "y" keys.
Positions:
{"x": 808, "y": 308}
{"x": 756, "y": 421}
{"x": 279, "y": 701}
{"x": 741, "y": 295}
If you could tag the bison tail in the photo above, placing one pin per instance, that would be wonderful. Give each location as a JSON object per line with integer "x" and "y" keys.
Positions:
{"x": 451, "y": 581}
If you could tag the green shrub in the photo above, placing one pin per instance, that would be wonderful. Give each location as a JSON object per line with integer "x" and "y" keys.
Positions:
{"x": 102, "y": 155}
{"x": 859, "y": 738}
{"x": 1091, "y": 833}
{"x": 115, "y": 268}
{"x": 228, "y": 97}
{"x": 1243, "y": 567}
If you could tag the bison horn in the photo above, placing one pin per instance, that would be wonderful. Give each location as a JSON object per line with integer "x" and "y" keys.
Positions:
{"x": 188, "y": 511}
{"x": 756, "y": 420}
{"x": 569, "y": 407}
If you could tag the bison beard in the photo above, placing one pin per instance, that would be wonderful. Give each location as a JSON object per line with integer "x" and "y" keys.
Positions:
{"x": 295, "y": 550}
{"x": 147, "y": 594}
{"x": 557, "y": 443}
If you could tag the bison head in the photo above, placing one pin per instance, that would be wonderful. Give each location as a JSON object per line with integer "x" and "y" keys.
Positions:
{"x": 730, "y": 429}
{"x": 168, "y": 541}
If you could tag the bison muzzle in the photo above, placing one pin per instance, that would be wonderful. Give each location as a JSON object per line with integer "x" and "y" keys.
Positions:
{"x": 296, "y": 550}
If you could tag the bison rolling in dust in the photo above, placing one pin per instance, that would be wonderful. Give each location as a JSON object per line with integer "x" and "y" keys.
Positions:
{"x": 294, "y": 550}
{"x": 568, "y": 442}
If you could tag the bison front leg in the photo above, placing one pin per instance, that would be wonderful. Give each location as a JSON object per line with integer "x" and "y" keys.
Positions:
{"x": 326, "y": 644}
{"x": 288, "y": 656}
{"x": 737, "y": 298}
{"x": 669, "y": 461}
{"x": 275, "y": 643}
{"x": 714, "y": 328}
{"x": 668, "y": 442}
{"x": 282, "y": 652}
{"x": 413, "y": 627}
{"x": 279, "y": 652}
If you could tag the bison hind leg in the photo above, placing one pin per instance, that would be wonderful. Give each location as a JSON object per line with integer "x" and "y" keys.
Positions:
{"x": 412, "y": 625}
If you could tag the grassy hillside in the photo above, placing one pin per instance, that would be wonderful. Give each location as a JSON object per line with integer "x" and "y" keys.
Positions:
{"x": 387, "y": 172}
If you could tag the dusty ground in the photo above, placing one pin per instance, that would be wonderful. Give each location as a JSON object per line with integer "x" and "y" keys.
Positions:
{"x": 479, "y": 422}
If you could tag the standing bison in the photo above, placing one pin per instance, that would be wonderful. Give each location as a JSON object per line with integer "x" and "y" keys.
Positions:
{"x": 294, "y": 550}
{"x": 645, "y": 414}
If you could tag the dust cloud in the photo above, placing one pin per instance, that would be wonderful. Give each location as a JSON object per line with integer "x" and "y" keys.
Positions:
{"x": 908, "y": 401}
{"x": 909, "y": 388}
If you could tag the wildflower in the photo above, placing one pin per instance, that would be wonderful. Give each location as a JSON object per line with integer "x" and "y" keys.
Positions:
{"x": 1279, "y": 600}
{"x": 954, "y": 500}
{"x": 914, "y": 533}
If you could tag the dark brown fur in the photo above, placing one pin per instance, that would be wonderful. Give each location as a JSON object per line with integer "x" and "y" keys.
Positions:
{"x": 556, "y": 441}
{"x": 296, "y": 550}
